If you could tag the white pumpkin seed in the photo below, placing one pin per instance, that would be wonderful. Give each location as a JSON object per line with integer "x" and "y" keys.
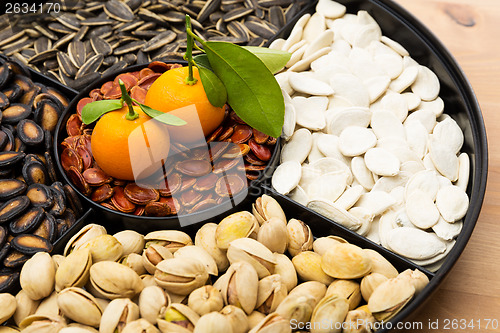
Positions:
{"x": 330, "y": 9}
{"x": 298, "y": 147}
{"x": 412, "y": 167}
{"x": 425, "y": 181}
{"x": 329, "y": 186}
{"x": 426, "y": 117}
{"x": 329, "y": 164}
{"x": 445, "y": 161}
{"x": 395, "y": 103}
{"x": 376, "y": 202}
{"x": 335, "y": 213}
{"x": 286, "y": 177}
{"x": 449, "y": 133}
{"x": 436, "y": 106}
{"x": 305, "y": 63}
{"x": 323, "y": 40}
{"x": 352, "y": 116}
{"x": 351, "y": 88}
{"x": 356, "y": 140}
{"x": 365, "y": 217}
{"x": 412, "y": 100}
{"x": 414, "y": 243}
{"x": 395, "y": 46}
{"x": 315, "y": 154}
{"x": 373, "y": 232}
{"x": 296, "y": 55}
{"x": 303, "y": 83}
{"x": 387, "y": 184}
{"x": 449, "y": 245}
{"x": 402, "y": 219}
{"x": 426, "y": 85}
{"x": 463, "y": 171}
{"x": 361, "y": 172}
{"x": 421, "y": 209}
{"x": 283, "y": 82}
{"x": 385, "y": 123}
{"x": 314, "y": 26}
{"x": 382, "y": 162}
{"x": 299, "y": 195}
{"x": 446, "y": 230}
{"x": 350, "y": 196}
{"x": 376, "y": 86}
{"x": 416, "y": 136}
{"x": 385, "y": 225}
{"x": 295, "y": 36}
{"x": 452, "y": 202}
{"x": 310, "y": 111}
{"x": 277, "y": 44}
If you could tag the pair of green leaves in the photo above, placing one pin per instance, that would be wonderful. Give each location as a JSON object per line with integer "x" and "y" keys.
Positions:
{"x": 243, "y": 77}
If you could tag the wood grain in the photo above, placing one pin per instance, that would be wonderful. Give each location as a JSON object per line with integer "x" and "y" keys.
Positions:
{"x": 470, "y": 30}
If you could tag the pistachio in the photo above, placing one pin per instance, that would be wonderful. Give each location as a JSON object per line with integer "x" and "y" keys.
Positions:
{"x": 151, "y": 300}
{"x": 380, "y": 264}
{"x": 170, "y": 239}
{"x": 212, "y": 322}
{"x": 74, "y": 270}
{"x": 390, "y": 297}
{"x": 9, "y": 305}
{"x": 255, "y": 318}
{"x": 57, "y": 259}
{"x": 118, "y": 314}
{"x": 78, "y": 328}
{"x": 42, "y": 324}
{"x": 416, "y": 277}
{"x": 236, "y": 317}
{"x": 266, "y": 207}
{"x": 87, "y": 233}
{"x": 38, "y": 275}
{"x": 332, "y": 309}
{"x": 346, "y": 261}
{"x": 114, "y": 280}
{"x": 308, "y": 267}
{"x": 140, "y": 326}
{"x": 284, "y": 267}
{"x": 237, "y": 225}
{"x": 7, "y": 329}
{"x": 132, "y": 241}
{"x": 177, "y": 318}
{"x": 205, "y": 299}
{"x": 80, "y": 306}
{"x": 148, "y": 280}
{"x": 313, "y": 288}
{"x": 369, "y": 283}
{"x": 200, "y": 254}
{"x": 300, "y": 237}
{"x": 359, "y": 321}
{"x": 297, "y": 308}
{"x": 104, "y": 248}
{"x": 181, "y": 275}
{"x": 49, "y": 306}
{"x": 253, "y": 252}
{"x": 240, "y": 286}
{"x": 322, "y": 244}
{"x": 271, "y": 293}
{"x": 347, "y": 289}
{"x": 25, "y": 307}
{"x": 153, "y": 255}
{"x": 103, "y": 303}
{"x": 272, "y": 323}
{"x": 205, "y": 238}
{"x": 134, "y": 261}
{"x": 273, "y": 234}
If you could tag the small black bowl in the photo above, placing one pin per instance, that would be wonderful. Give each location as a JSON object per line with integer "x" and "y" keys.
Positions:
{"x": 119, "y": 220}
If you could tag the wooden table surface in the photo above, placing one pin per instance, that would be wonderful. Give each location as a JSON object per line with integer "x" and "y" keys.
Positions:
{"x": 470, "y": 29}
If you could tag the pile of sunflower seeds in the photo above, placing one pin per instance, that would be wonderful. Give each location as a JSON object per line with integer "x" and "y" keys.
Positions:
{"x": 89, "y": 38}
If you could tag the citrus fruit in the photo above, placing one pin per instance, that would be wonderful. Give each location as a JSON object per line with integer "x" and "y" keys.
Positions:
{"x": 170, "y": 92}
{"x": 117, "y": 143}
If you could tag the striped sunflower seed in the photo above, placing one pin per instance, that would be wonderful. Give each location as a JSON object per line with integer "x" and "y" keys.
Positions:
{"x": 42, "y": 44}
{"x": 160, "y": 40}
{"x": 118, "y": 11}
{"x": 66, "y": 66}
{"x": 209, "y": 7}
{"x": 58, "y": 27}
{"x": 77, "y": 53}
{"x": 90, "y": 66}
{"x": 100, "y": 46}
{"x": 69, "y": 20}
{"x": 129, "y": 47}
{"x": 66, "y": 39}
{"x": 41, "y": 57}
{"x": 237, "y": 13}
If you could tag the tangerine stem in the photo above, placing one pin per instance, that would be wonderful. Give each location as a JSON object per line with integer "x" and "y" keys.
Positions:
{"x": 190, "y": 80}
{"x": 131, "y": 115}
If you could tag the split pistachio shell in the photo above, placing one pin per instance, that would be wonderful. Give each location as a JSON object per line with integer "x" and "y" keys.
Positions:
{"x": 118, "y": 314}
{"x": 49, "y": 306}
{"x": 255, "y": 318}
{"x": 300, "y": 237}
{"x": 416, "y": 277}
{"x": 199, "y": 253}
{"x": 25, "y": 306}
{"x": 312, "y": 288}
{"x": 390, "y": 297}
{"x": 153, "y": 255}
{"x": 170, "y": 239}
{"x": 370, "y": 282}
{"x": 132, "y": 241}
{"x": 104, "y": 248}
{"x": 240, "y": 286}
{"x": 347, "y": 289}
{"x": 380, "y": 264}
{"x": 237, "y": 225}
{"x": 177, "y": 318}
{"x": 284, "y": 267}
{"x": 322, "y": 244}
{"x": 85, "y": 234}
{"x": 253, "y": 252}
{"x": 9, "y": 305}
{"x": 332, "y": 309}
{"x": 42, "y": 324}
{"x": 58, "y": 259}
{"x": 297, "y": 308}
{"x": 205, "y": 238}
{"x": 273, "y": 323}
{"x": 271, "y": 293}
{"x": 78, "y": 328}
{"x": 148, "y": 280}
{"x": 266, "y": 208}
{"x": 140, "y": 326}
{"x": 308, "y": 267}
{"x": 273, "y": 234}
{"x": 151, "y": 301}
{"x": 38, "y": 276}
{"x": 80, "y": 306}
{"x": 7, "y": 329}
{"x": 213, "y": 322}
{"x": 134, "y": 261}
{"x": 114, "y": 280}
{"x": 237, "y": 318}
{"x": 346, "y": 261}
{"x": 181, "y": 275}
{"x": 74, "y": 270}
{"x": 359, "y": 321}
{"x": 205, "y": 300}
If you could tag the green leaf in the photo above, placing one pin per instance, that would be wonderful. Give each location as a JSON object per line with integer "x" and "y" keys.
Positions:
{"x": 214, "y": 88}
{"x": 163, "y": 117}
{"x": 252, "y": 90}
{"x": 202, "y": 61}
{"x": 275, "y": 60}
{"x": 93, "y": 111}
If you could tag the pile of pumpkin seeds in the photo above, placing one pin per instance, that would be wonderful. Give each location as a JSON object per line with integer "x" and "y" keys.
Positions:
{"x": 89, "y": 38}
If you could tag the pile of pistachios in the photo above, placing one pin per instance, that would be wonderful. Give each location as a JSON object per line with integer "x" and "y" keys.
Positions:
{"x": 162, "y": 282}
